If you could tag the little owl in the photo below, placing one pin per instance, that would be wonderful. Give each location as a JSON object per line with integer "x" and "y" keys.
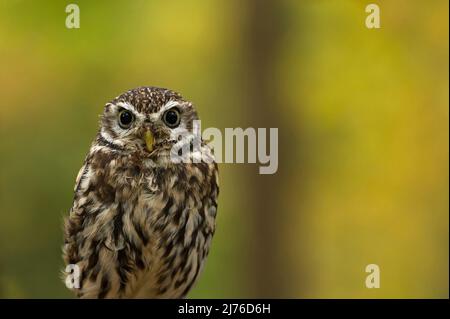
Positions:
{"x": 141, "y": 224}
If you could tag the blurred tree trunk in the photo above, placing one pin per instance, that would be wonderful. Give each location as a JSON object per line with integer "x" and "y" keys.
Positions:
{"x": 268, "y": 270}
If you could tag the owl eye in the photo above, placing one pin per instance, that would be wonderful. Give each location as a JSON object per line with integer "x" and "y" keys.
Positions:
{"x": 172, "y": 118}
{"x": 125, "y": 119}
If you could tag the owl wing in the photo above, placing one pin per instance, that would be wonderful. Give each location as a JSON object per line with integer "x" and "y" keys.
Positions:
{"x": 80, "y": 174}
{"x": 91, "y": 242}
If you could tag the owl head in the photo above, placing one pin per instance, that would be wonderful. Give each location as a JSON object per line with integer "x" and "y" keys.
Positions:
{"x": 146, "y": 120}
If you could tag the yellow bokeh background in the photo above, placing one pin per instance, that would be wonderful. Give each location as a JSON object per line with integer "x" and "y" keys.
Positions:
{"x": 363, "y": 116}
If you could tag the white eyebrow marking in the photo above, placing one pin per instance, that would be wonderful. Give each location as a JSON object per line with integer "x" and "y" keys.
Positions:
{"x": 165, "y": 107}
{"x": 126, "y": 106}
{"x": 168, "y": 105}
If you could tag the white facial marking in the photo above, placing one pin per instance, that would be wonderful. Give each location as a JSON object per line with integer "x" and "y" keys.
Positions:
{"x": 107, "y": 137}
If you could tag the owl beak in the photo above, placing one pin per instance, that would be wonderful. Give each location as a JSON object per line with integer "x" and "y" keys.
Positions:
{"x": 149, "y": 140}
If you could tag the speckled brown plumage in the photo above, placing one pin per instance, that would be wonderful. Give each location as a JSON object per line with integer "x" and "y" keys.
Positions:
{"x": 140, "y": 225}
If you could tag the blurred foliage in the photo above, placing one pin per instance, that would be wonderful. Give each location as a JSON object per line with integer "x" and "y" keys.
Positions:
{"x": 371, "y": 107}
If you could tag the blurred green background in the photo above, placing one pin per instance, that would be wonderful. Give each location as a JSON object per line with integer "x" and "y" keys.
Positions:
{"x": 363, "y": 118}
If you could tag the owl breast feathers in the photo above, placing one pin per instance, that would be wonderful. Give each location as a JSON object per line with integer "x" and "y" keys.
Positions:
{"x": 141, "y": 225}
